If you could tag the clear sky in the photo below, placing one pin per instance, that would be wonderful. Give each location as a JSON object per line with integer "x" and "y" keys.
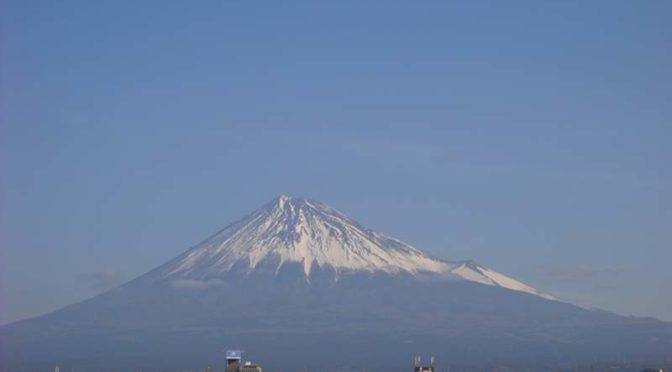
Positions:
{"x": 531, "y": 136}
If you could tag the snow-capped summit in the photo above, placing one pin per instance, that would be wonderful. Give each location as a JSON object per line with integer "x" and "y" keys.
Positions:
{"x": 307, "y": 232}
{"x": 312, "y": 234}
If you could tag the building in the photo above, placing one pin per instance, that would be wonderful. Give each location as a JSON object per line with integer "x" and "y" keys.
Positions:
{"x": 249, "y": 367}
{"x": 233, "y": 358}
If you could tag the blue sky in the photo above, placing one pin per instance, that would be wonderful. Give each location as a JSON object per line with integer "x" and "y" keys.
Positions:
{"x": 533, "y": 137}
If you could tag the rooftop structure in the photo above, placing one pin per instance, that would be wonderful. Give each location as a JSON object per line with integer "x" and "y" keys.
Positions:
{"x": 234, "y": 360}
{"x": 249, "y": 367}
{"x": 426, "y": 368}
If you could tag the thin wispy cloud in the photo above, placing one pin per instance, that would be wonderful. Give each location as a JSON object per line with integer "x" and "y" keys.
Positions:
{"x": 101, "y": 281}
{"x": 196, "y": 284}
{"x": 579, "y": 273}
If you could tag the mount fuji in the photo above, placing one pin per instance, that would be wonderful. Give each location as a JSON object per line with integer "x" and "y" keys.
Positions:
{"x": 299, "y": 285}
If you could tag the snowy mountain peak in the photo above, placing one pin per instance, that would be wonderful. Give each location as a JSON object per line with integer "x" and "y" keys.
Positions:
{"x": 302, "y": 231}
{"x": 312, "y": 234}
